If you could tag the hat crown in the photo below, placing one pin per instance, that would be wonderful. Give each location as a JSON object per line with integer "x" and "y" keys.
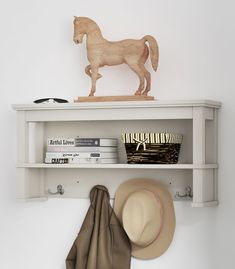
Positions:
{"x": 142, "y": 217}
{"x": 162, "y": 240}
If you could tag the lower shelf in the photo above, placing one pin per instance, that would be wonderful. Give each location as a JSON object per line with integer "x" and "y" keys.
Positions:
{"x": 120, "y": 166}
{"x": 205, "y": 204}
{"x": 36, "y": 179}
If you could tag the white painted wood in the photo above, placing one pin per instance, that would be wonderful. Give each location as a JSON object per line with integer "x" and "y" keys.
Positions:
{"x": 22, "y": 137}
{"x": 77, "y": 183}
{"x": 101, "y": 114}
{"x": 203, "y": 185}
{"x": 39, "y": 142}
{"x": 111, "y": 105}
{"x": 117, "y": 110}
{"x": 22, "y": 154}
{"x": 205, "y": 204}
{"x": 209, "y": 113}
{"x": 195, "y": 119}
{"x": 199, "y": 135}
{"x": 204, "y": 181}
{"x": 215, "y": 134}
{"x": 118, "y": 166}
{"x": 36, "y": 142}
{"x": 30, "y": 183}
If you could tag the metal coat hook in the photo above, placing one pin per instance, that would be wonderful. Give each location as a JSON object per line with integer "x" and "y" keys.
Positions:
{"x": 60, "y": 190}
{"x": 188, "y": 193}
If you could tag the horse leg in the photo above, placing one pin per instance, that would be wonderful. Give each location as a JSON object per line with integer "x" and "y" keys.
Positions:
{"x": 147, "y": 76}
{"x": 88, "y": 71}
{"x": 94, "y": 77}
{"x": 136, "y": 68}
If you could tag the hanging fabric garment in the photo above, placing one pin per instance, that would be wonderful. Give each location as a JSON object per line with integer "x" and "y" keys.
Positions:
{"x": 102, "y": 242}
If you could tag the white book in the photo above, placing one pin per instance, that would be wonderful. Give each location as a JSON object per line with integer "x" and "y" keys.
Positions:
{"x": 96, "y": 142}
{"x": 80, "y": 161}
{"x": 82, "y": 142}
{"x": 81, "y": 149}
{"x": 104, "y": 155}
{"x": 62, "y": 142}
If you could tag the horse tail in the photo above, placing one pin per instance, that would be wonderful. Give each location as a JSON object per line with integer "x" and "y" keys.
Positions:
{"x": 154, "y": 52}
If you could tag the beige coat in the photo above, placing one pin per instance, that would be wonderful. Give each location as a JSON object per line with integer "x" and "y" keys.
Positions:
{"x": 101, "y": 243}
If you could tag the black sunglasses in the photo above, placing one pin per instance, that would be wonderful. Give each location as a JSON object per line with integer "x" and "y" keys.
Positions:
{"x": 50, "y": 100}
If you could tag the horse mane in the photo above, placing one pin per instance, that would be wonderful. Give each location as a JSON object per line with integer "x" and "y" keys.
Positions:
{"x": 92, "y": 24}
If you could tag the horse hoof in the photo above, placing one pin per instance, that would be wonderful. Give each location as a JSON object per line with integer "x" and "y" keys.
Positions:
{"x": 138, "y": 93}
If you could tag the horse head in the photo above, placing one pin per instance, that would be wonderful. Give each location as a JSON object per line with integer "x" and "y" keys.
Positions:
{"x": 82, "y": 26}
{"x": 79, "y": 29}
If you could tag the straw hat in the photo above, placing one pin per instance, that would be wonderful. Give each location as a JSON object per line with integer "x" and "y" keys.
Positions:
{"x": 146, "y": 211}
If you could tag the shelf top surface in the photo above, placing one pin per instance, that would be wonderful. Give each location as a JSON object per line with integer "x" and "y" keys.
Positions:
{"x": 113, "y": 105}
{"x": 120, "y": 166}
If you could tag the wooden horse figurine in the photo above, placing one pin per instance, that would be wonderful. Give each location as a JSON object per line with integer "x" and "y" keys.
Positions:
{"x": 101, "y": 52}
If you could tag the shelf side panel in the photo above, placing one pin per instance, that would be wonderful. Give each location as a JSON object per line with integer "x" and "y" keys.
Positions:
{"x": 22, "y": 137}
{"x": 199, "y": 135}
{"x": 203, "y": 185}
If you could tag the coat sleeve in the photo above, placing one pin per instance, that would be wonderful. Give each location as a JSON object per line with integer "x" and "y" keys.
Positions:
{"x": 71, "y": 258}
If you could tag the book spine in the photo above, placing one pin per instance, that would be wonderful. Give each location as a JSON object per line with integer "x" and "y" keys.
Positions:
{"x": 62, "y": 142}
{"x": 95, "y": 142}
{"x": 80, "y": 149}
{"x": 82, "y": 142}
{"x": 80, "y": 160}
{"x": 57, "y": 160}
{"x": 81, "y": 155}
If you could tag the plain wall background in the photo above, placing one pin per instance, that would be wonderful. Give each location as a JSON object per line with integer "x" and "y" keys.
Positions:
{"x": 38, "y": 59}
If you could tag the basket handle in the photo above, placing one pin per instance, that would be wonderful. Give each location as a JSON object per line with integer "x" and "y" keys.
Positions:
{"x": 140, "y": 142}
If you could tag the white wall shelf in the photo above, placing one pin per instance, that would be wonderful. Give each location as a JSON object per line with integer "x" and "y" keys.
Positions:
{"x": 119, "y": 166}
{"x": 197, "y": 120}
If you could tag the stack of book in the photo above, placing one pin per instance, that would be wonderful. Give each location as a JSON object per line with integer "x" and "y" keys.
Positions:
{"x": 81, "y": 150}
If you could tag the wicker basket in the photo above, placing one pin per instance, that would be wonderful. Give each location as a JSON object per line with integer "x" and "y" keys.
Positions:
{"x": 155, "y": 148}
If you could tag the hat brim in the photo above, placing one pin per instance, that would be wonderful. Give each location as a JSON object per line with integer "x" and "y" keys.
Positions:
{"x": 164, "y": 239}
